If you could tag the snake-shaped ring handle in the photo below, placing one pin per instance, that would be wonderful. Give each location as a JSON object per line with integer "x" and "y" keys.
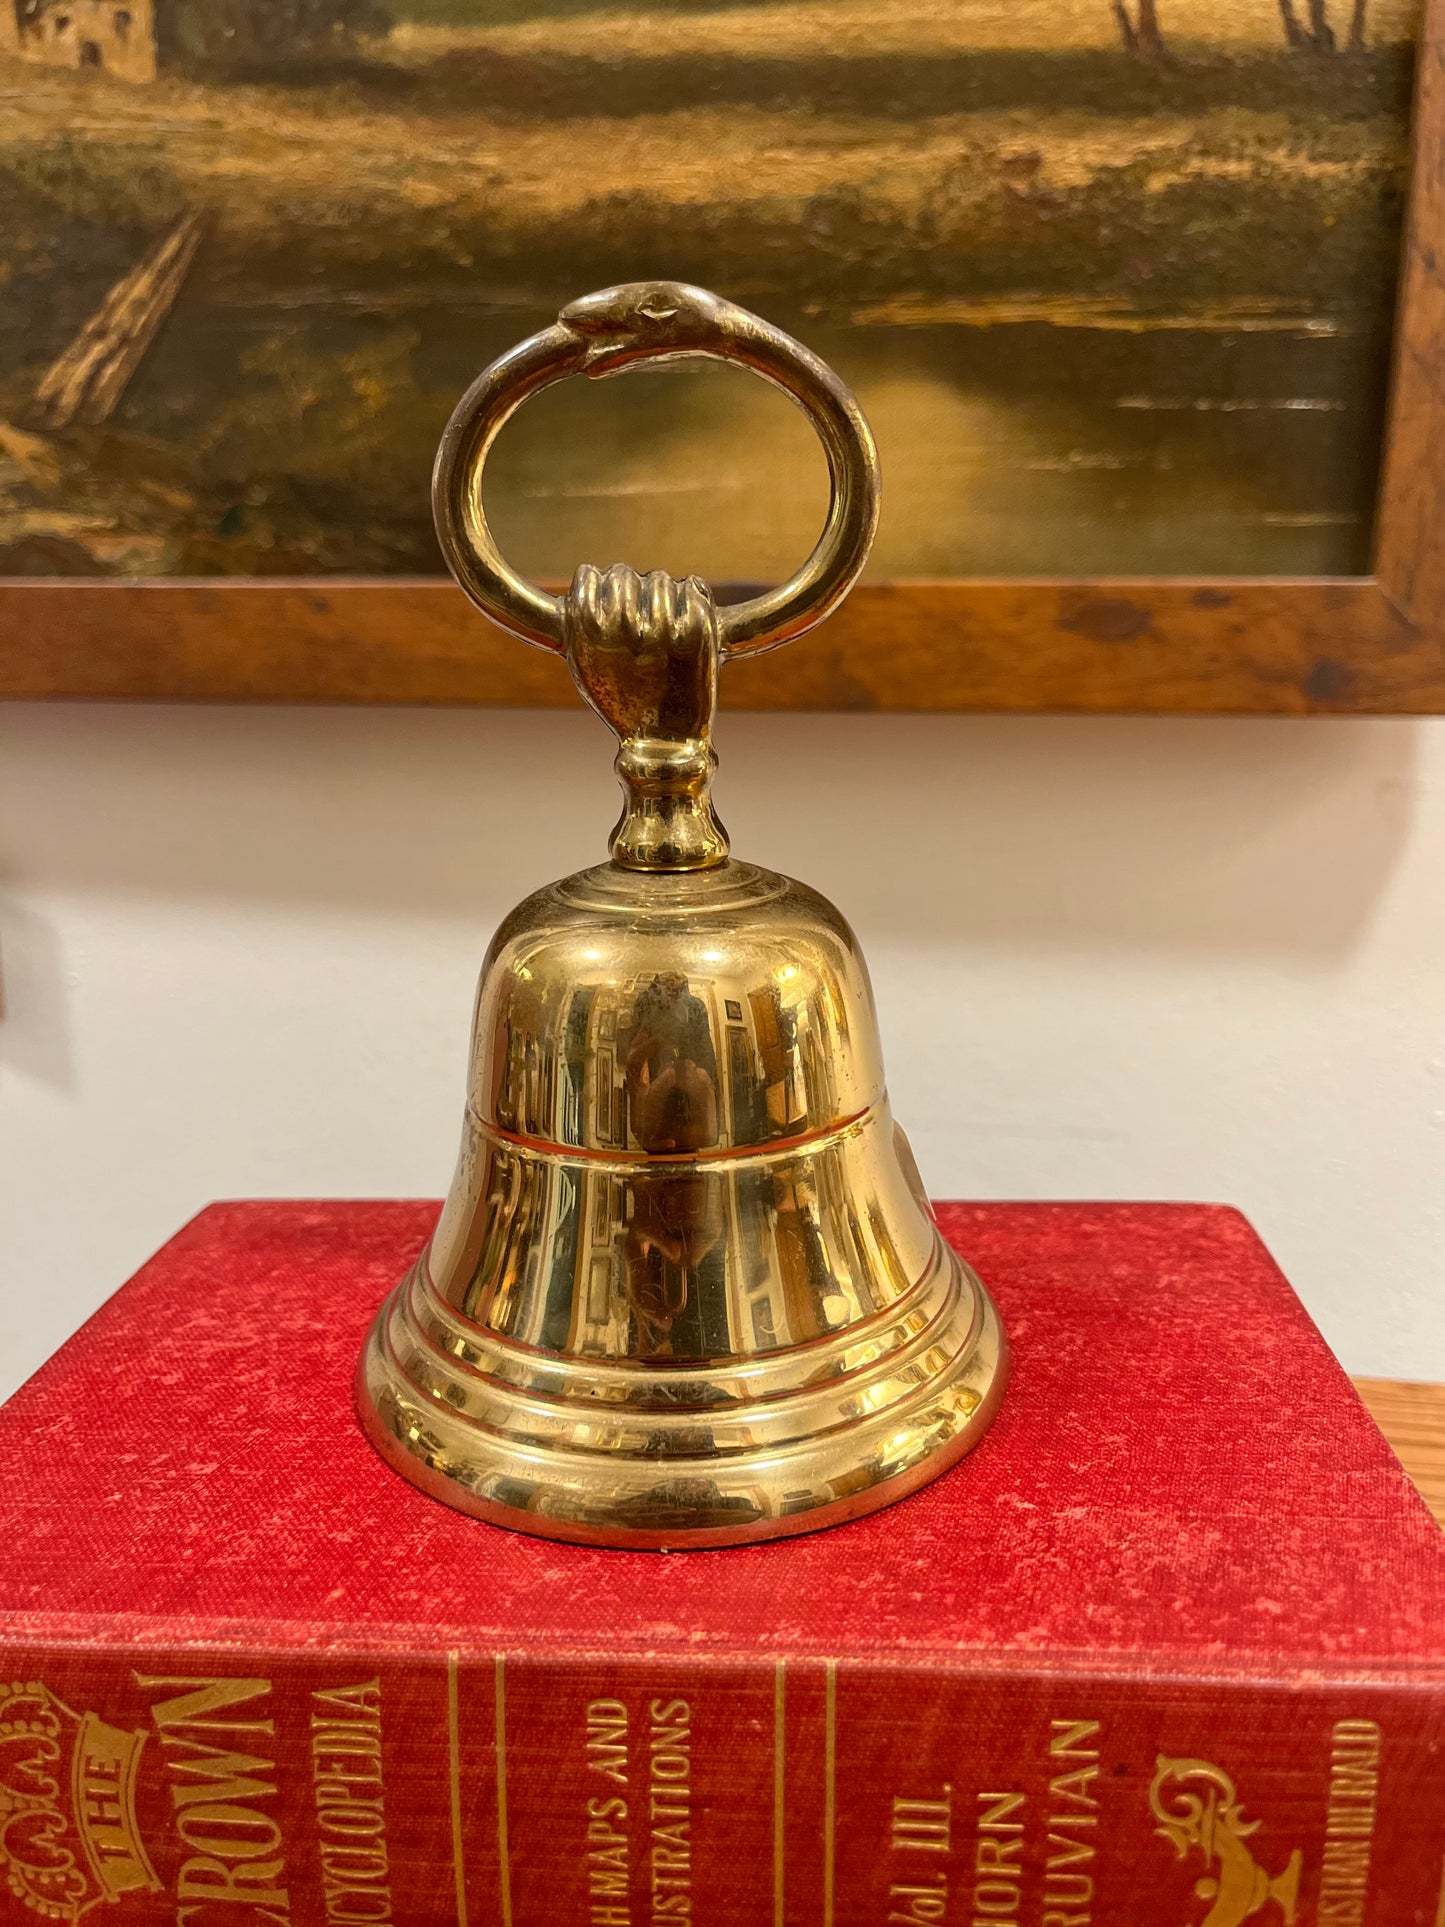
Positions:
{"x": 603, "y": 334}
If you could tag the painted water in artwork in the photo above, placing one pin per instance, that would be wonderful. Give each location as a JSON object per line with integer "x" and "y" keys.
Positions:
{"x": 1113, "y": 278}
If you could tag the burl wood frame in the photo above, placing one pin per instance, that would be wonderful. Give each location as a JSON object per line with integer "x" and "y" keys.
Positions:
{"x": 1360, "y": 644}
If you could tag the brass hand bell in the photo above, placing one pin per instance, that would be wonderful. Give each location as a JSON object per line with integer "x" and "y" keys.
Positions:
{"x": 685, "y": 1289}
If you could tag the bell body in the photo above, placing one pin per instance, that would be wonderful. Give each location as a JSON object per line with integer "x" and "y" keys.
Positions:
{"x": 686, "y": 1288}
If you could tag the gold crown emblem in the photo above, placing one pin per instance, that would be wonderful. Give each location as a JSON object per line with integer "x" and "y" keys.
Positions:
{"x": 66, "y": 1780}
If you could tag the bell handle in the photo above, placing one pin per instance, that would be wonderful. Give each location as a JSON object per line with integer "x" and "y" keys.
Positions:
{"x": 605, "y": 334}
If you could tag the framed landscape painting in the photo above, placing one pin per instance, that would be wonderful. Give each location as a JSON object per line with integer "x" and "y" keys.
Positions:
{"x": 1140, "y": 297}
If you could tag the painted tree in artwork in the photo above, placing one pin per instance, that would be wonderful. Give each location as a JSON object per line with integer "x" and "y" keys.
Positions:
{"x": 1139, "y": 31}
{"x": 1316, "y": 35}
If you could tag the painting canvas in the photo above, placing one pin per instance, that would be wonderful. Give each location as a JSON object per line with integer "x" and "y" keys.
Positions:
{"x": 1113, "y": 278}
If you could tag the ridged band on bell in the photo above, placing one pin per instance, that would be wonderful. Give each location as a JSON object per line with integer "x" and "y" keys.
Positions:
{"x": 685, "y": 1288}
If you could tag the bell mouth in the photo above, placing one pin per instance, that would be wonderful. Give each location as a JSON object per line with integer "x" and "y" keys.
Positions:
{"x": 652, "y": 1450}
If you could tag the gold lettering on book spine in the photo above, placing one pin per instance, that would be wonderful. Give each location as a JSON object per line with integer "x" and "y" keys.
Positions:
{"x": 921, "y": 1824}
{"x": 1199, "y": 1811}
{"x": 235, "y": 1854}
{"x": 1072, "y": 1821}
{"x": 1350, "y": 1823}
{"x": 350, "y": 1807}
{"x": 670, "y": 1811}
{"x": 998, "y": 1859}
{"x": 608, "y": 1842}
{"x": 67, "y": 1777}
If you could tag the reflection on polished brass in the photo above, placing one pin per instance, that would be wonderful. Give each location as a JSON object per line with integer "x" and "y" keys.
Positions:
{"x": 685, "y": 1289}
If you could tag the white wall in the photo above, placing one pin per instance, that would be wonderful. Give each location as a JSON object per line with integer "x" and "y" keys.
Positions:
{"x": 1114, "y": 958}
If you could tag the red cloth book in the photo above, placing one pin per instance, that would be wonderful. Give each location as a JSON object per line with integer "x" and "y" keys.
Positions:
{"x": 1169, "y": 1647}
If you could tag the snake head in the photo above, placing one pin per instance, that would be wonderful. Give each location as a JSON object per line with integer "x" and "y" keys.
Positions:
{"x": 648, "y": 320}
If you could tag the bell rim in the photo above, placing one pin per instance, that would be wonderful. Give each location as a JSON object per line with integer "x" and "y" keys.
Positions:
{"x": 934, "y": 1436}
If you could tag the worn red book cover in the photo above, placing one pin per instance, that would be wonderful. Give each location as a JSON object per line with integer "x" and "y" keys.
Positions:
{"x": 1168, "y": 1648}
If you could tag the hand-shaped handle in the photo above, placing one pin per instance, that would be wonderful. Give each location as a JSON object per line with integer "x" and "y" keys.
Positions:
{"x": 601, "y": 334}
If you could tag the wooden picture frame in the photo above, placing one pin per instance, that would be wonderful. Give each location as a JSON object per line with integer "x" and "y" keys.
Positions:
{"x": 1358, "y": 645}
